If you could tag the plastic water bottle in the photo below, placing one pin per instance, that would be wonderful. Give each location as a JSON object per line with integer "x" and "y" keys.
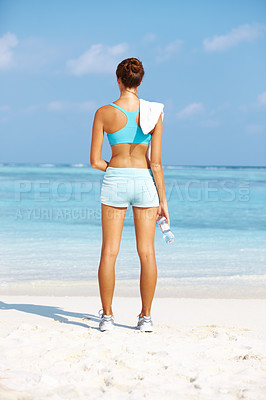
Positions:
{"x": 168, "y": 235}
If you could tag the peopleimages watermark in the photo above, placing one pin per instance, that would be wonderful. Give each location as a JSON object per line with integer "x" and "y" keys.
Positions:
{"x": 61, "y": 191}
{"x": 80, "y": 200}
{"x": 189, "y": 190}
{"x": 57, "y": 214}
{"x": 211, "y": 190}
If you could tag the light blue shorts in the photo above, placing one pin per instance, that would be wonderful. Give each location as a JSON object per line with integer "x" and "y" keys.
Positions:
{"x": 124, "y": 186}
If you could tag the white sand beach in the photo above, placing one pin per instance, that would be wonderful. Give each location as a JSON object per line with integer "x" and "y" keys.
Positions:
{"x": 201, "y": 349}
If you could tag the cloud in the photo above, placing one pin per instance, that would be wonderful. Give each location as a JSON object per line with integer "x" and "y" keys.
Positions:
{"x": 99, "y": 59}
{"x": 165, "y": 53}
{"x": 37, "y": 54}
{"x": 261, "y": 99}
{"x": 191, "y": 109}
{"x": 7, "y": 42}
{"x": 32, "y": 53}
{"x": 210, "y": 123}
{"x": 149, "y": 37}
{"x": 5, "y": 108}
{"x": 59, "y": 106}
{"x": 31, "y": 109}
{"x": 244, "y": 33}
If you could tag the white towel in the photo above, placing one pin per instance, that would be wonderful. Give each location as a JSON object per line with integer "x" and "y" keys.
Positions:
{"x": 150, "y": 112}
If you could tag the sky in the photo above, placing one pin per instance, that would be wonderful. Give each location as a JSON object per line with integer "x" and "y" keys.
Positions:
{"x": 204, "y": 60}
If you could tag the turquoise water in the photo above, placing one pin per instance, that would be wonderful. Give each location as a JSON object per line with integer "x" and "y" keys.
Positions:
{"x": 50, "y": 224}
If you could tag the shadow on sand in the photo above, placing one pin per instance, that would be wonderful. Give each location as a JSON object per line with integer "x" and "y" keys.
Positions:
{"x": 57, "y": 314}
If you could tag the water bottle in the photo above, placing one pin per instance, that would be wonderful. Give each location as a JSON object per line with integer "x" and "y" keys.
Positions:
{"x": 168, "y": 235}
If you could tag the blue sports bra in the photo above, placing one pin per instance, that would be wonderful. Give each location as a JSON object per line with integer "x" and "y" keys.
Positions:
{"x": 131, "y": 132}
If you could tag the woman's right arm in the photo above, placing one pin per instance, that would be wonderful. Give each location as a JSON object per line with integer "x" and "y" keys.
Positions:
{"x": 157, "y": 167}
{"x": 96, "y": 160}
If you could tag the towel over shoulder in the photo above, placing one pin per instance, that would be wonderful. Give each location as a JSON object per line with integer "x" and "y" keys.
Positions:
{"x": 150, "y": 112}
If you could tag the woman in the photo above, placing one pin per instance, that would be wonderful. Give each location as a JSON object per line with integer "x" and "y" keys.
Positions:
{"x": 130, "y": 178}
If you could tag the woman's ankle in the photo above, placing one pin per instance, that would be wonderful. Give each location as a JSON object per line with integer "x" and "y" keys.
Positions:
{"x": 146, "y": 314}
{"x": 107, "y": 312}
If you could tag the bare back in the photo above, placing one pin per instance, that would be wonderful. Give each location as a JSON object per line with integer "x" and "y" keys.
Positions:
{"x": 124, "y": 155}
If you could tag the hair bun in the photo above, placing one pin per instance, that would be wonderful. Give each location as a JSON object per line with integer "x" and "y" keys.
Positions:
{"x": 130, "y": 71}
{"x": 135, "y": 68}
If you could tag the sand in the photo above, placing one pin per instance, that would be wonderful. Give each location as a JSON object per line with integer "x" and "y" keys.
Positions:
{"x": 201, "y": 349}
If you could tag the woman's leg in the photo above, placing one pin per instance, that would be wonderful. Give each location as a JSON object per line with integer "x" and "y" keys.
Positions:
{"x": 145, "y": 223}
{"x": 112, "y": 226}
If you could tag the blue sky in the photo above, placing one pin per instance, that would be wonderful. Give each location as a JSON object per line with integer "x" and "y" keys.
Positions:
{"x": 204, "y": 60}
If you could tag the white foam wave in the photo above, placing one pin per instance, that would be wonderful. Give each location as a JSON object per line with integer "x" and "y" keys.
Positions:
{"x": 174, "y": 167}
{"x": 238, "y": 278}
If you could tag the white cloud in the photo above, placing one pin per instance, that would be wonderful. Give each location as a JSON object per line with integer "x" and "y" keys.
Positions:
{"x": 258, "y": 105}
{"x": 37, "y": 54}
{"x": 210, "y": 123}
{"x": 99, "y": 59}
{"x": 191, "y": 109}
{"x": 244, "y": 33}
{"x": 71, "y": 107}
{"x": 5, "y": 108}
{"x": 32, "y": 53}
{"x": 31, "y": 109}
{"x": 243, "y": 108}
{"x": 165, "y": 53}
{"x": 7, "y": 42}
{"x": 261, "y": 99}
{"x": 149, "y": 37}
{"x": 60, "y": 106}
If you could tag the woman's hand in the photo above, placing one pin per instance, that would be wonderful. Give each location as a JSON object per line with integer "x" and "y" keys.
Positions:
{"x": 163, "y": 210}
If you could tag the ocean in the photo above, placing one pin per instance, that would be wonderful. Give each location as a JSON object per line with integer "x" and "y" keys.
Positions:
{"x": 50, "y": 225}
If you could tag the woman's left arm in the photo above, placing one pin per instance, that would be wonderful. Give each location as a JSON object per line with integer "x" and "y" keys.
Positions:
{"x": 97, "y": 142}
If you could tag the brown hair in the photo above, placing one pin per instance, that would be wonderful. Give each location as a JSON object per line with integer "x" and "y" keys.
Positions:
{"x": 130, "y": 71}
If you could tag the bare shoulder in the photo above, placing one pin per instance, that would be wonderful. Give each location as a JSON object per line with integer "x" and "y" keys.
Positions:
{"x": 102, "y": 111}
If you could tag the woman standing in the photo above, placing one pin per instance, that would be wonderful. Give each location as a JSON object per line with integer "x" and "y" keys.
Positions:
{"x": 130, "y": 178}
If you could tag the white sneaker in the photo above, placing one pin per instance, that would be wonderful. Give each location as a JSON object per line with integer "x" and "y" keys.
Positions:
{"x": 107, "y": 321}
{"x": 145, "y": 324}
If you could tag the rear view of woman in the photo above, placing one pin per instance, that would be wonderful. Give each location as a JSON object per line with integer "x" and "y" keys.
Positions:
{"x": 130, "y": 178}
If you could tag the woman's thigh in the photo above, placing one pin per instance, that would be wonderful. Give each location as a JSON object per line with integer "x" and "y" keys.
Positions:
{"x": 112, "y": 226}
{"x": 145, "y": 223}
